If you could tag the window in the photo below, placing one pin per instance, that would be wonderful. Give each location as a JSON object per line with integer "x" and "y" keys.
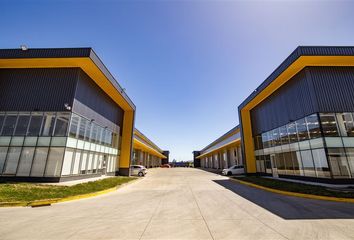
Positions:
{"x": 74, "y": 123}
{"x": 350, "y": 156}
{"x": 82, "y": 128}
{"x": 9, "y": 125}
{"x": 321, "y": 164}
{"x": 94, "y": 133}
{"x": 338, "y": 162}
{"x": 2, "y": 118}
{"x": 297, "y": 163}
{"x": 39, "y": 161}
{"x": 276, "y": 137}
{"x": 77, "y": 159}
{"x": 13, "y": 155}
{"x": 61, "y": 124}
{"x": 313, "y": 126}
{"x": 270, "y": 139}
{"x": 302, "y": 130}
{"x": 68, "y": 159}
{"x": 3, "y": 153}
{"x": 54, "y": 162}
{"x": 100, "y": 135}
{"x": 24, "y": 166}
{"x": 292, "y": 132}
{"x": 288, "y": 163}
{"x": 279, "y": 161}
{"x": 329, "y": 125}
{"x": 265, "y": 140}
{"x": 22, "y": 124}
{"x": 88, "y": 130}
{"x": 307, "y": 163}
{"x": 83, "y": 162}
{"x": 35, "y": 124}
{"x": 345, "y": 123}
{"x": 48, "y": 124}
{"x": 284, "y": 138}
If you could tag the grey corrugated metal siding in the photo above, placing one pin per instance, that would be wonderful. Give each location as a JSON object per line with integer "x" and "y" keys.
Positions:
{"x": 314, "y": 89}
{"x": 42, "y": 89}
{"x": 334, "y": 88}
{"x": 299, "y": 51}
{"x": 91, "y": 95}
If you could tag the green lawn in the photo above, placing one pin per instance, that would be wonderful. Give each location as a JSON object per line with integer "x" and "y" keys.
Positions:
{"x": 296, "y": 187}
{"x": 26, "y": 192}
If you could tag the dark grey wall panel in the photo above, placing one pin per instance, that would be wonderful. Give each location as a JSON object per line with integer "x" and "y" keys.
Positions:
{"x": 292, "y": 101}
{"x": 334, "y": 88}
{"x": 94, "y": 102}
{"x": 42, "y": 89}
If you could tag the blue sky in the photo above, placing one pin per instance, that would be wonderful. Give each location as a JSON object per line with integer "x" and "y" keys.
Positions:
{"x": 186, "y": 65}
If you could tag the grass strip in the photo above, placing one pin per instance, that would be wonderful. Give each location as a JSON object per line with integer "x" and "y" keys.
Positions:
{"x": 297, "y": 187}
{"x": 27, "y": 192}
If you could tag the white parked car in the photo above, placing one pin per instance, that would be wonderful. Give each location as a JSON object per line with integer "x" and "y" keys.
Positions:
{"x": 235, "y": 169}
{"x": 138, "y": 170}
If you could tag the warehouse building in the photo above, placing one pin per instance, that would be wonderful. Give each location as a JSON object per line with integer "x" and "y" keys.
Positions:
{"x": 224, "y": 152}
{"x": 147, "y": 153}
{"x": 63, "y": 116}
{"x": 299, "y": 123}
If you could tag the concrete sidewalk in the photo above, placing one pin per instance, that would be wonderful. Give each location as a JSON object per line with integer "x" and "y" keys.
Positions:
{"x": 182, "y": 203}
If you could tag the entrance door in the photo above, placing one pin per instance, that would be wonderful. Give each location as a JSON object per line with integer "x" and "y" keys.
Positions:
{"x": 274, "y": 166}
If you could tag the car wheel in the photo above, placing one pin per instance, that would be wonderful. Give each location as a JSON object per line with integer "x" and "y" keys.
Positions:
{"x": 140, "y": 174}
{"x": 229, "y": 173}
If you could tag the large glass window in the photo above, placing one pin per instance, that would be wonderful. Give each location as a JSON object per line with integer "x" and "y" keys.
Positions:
{"x": 39, "y": 161}
{"x": 338, "y": 162}
{"x": 265, "y": 140}
{"x": 279, "y": 161}
{"x": 345, "y": 124}
{"x": 94, "y": 133}
{"x": 288, "y": 163}
{"x": 22, "y": 124}
{"x": 297, "y": 163}
{"x": 68, "y": 158}
{"x": 25, "y": 164}
{"x": 292, "y": 132}
{"x": 61, "y": 124}
{"x": 88, "y": 130}
{"x": 284, "y": 138}
{"x": 35, "y": 124}
{"x": 82, "y": 128}
{"x": 74, "y": 123}
{"x": 9, "y": 124}
{"x": 276, "y": 137}
{"x": 329, "y": 125}
{"x": 302, "y": 129}
{"x": 321, "y": 164}
{"x": 307, "y": 163}
{"x": 48, "y": 124}
{"x": 77, "y": 159}
{"x": 3, "y": 153}
{"x": 350, "y": 156}
{"x": 313, "y": 126}
{"x": 13, "y": 155}
{"x": 2, "y": 118}
{"x": 54, "y": 162}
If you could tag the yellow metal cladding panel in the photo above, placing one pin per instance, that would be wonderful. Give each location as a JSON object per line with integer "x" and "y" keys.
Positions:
{"x": 141, "y": 146}
{"x": 285, "y": 76}
{"x": 85, "y": 63}
{"x": 127, "y": 139}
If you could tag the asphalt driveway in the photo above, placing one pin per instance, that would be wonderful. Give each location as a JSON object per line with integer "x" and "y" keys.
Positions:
{"x": 182, "y": 203}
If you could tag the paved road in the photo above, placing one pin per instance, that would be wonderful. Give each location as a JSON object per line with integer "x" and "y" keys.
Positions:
{"x": 182, "y": 203}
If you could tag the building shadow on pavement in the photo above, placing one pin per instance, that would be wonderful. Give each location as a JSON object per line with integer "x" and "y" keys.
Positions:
{"x": 288, "y": 207}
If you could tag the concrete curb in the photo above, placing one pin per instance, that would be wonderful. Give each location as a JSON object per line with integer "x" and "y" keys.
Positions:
{"x": 294, "y": 194}
{"x": 48, "y": 202}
